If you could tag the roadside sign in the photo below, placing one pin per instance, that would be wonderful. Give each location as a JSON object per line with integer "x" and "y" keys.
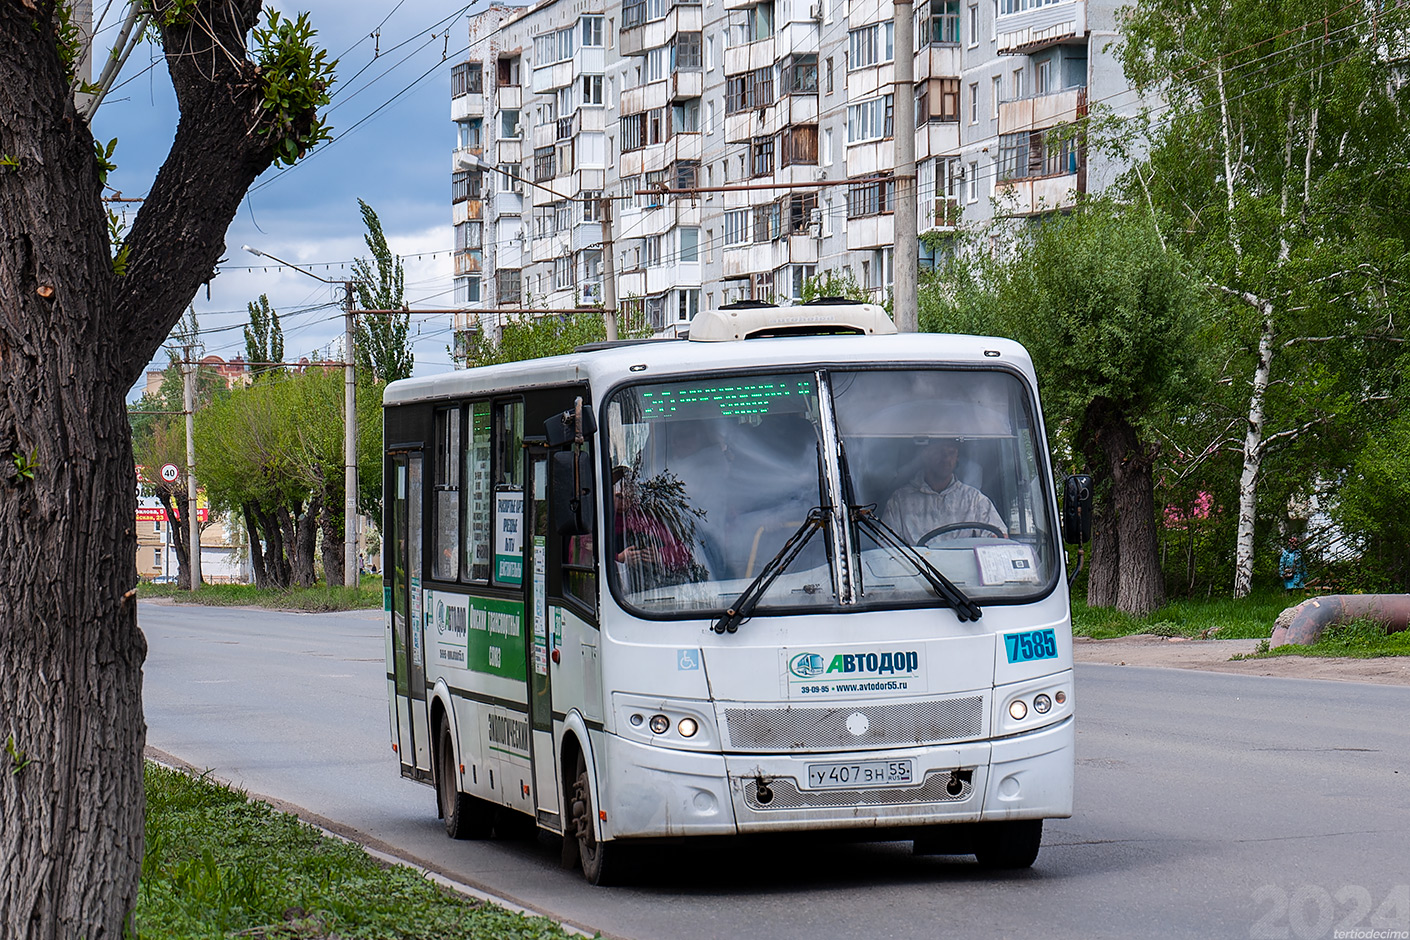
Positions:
{"x": 170, "y": 472}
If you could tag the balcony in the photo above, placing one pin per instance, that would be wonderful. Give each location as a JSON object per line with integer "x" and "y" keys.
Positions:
{"x": 1033, "y": 30}
{"x": 1042, "y": 111}
{"x": 944, "y": 214}
{"x": 467, "y": 106}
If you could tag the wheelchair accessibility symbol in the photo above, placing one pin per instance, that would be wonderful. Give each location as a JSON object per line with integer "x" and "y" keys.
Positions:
{"x": 687, "y": 660}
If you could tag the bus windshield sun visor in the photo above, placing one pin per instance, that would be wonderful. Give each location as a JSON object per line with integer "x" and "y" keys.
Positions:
{"x": 743, "y": 606}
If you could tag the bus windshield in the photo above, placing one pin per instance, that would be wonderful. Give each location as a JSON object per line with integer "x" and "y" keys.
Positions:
{"x": 711, "y": 477}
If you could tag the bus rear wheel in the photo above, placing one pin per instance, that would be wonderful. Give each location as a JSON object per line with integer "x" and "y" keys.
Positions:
{"x": 603, "y": 862}
{"x": 466, "y": 817}
{"x": 1008, "y": 845}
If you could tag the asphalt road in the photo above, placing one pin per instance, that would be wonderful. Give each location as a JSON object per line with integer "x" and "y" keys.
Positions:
{"x": 1208, "y": 805}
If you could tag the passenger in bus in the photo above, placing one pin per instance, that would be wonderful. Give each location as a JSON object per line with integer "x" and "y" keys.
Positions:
{"x": 651, "y": 554}
{"x": 935, "y": 498}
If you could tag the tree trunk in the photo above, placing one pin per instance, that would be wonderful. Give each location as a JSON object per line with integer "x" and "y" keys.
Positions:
{"x": 1103, "y": 559}
{"x": 1253, "y": 456}
{"x": 331, "y": 525}
{"x": 275, "y": 559}
{"x": 256, "y": 548}
{"x": 180, "y": 536}
{"x": 1140, "y": 583}
{"x": 74, "y": 336}
{"x": 306, "y": 541}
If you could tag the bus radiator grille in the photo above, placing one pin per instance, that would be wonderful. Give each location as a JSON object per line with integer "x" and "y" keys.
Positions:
{"x": 786, "y": 795}
{"x": 904, "y": 724}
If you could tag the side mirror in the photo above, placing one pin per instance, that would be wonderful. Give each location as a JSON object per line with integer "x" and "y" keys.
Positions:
{"x": 571, "y": 497}
{"x": 1077, "y": 508}
{"x": 563, "y": 428}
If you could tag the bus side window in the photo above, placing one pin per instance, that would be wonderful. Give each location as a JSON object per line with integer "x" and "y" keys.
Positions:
{"x": 477, "y": 476}
{"x": 445, "y": 563}
{"x": 579, "y": 551}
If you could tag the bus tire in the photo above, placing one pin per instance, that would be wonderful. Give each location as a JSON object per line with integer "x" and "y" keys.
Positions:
{"x": 603, "y": 862}
{"x": 1008, "y": 845}
{"x": 465, "y": 816}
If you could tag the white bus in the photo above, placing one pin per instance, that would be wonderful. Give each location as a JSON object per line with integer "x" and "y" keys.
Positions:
{"x": 795, "y": 572}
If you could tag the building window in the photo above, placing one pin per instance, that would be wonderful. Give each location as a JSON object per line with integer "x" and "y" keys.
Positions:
{"x": 467, "y": 78}
{"x": 1017, "y": 84}
{"x": 687, "y": 304}
{"x": 466, "y": 184}
{"x": 870, "y": 45}
{"x": 686, "y": 52}
{"x": 509, "y": 124}
{"x": 870, "y": 120}
{"x": 507, "y": 74}
{"x": 736, "y": 231}
{"x": 633, "y": 13}
{"x": 871, "y": 198}
{"x": 829, "y": 75}
{"x": 543, "y": 164}
{"x": 651, "y": 250}
{"x": 471, "y": 134}
{"x": 799, "y": 144}
{"x": 690, "y": 246}
{"x": 685, "y": 117}
{"x": 633, "y": 128}
{"x": 752, "y": 24}
{"x": 592, "y": 31}
{"x": 941, "y": 23}
{"x": 750, "y": 90}
{"x": 997, "y": 92}
{"x": 592, "y": 89}
{"x": 761, "y": 156}
{"x": 802, "y": 273}
{"x": 684, "y": 174}
{"x": 973, "y": 25}
{"x": 798, "y": 210}
{"x": 508, "y": 287}
{"x": 800, "y": 75}
{"x": 974, "y": 102}
{"x": 655, "y": 125}
{"x": 591, "y": 201}
{"x": 1043, "y": 77}
{"x": 768, "y": 222}
{"x": 973, "y": 179}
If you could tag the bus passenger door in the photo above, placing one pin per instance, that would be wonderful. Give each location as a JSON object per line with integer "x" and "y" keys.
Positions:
{"x": 540, "y": 646}
{"x": 410, "y": 720}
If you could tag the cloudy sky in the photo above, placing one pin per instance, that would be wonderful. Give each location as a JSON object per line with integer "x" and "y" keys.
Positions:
{"x": 392, "y": 148}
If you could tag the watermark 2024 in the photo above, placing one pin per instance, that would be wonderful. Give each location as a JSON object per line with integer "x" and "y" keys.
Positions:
{"x": 1312, "y": 912}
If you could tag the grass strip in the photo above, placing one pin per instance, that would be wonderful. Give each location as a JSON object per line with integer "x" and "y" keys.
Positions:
{"x": 1226, "y": 618}
{"x": 319, "y": 598}
{"x": 1362, "y": 638}
{"x": 218, "y": 865}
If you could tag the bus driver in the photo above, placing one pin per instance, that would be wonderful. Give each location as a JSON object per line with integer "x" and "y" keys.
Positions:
{"x": 935, "y": 498}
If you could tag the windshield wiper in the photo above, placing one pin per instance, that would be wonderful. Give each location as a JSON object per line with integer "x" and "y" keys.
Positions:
{"x": 744, "y": 605}
{"x": 885, "y": 536}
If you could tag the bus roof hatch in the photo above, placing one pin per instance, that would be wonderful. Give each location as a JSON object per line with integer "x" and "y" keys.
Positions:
{"x": 752, "y": 320}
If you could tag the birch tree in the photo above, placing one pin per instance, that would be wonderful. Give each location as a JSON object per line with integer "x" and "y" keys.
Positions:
{"x": 1274, "y": 167}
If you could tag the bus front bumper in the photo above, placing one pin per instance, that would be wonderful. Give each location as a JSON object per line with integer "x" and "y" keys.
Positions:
{"x": 653, "y": 792}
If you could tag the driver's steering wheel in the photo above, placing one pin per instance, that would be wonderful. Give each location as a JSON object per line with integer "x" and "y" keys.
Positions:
{"x": 956, "y": 526}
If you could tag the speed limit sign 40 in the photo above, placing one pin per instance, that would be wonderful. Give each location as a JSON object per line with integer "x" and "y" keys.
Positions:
{"x": 170, "y": 472}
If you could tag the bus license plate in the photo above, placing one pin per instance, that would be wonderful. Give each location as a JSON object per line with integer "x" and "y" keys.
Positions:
{"x": 858, "y": 774}
{"x": 1025, "y": 647}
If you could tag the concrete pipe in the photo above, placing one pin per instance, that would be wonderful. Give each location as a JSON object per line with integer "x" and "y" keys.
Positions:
{"x": 1304, "y": 623}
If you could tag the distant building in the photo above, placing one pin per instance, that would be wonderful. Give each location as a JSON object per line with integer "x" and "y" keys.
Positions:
{"x": 562, "y": 102}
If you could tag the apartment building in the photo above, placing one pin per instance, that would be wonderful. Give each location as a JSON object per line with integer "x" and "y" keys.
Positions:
{"x": 781, "y": 112}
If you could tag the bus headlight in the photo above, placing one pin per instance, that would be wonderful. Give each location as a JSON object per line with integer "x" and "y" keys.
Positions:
{"x": 687, "y": 727}
{"x": 1041, "y": 704}
{"x": 660, "y": 724}
{"x": 1017, "y": 710}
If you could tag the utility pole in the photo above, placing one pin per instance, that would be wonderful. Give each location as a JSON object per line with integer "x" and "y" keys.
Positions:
{"x": 906, "y": 262}
{"x": 349, "y": 442}
{"x": 193, "y": 520}
{"x": 609, "y": 274}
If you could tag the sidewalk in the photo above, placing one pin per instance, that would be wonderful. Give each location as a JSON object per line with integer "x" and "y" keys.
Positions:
{"x": 1214, "y": 656}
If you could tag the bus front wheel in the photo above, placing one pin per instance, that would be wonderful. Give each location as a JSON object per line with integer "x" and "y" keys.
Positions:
{"x": 466, "y": 817}
{"x": 602, "y": 861}
{"x": 1008, "y": 845}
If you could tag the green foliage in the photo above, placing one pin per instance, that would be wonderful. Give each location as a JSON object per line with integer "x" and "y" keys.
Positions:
{"x": 17, "y": 756}
{"x": 25, "y": 465}
{"x": 296, "y": 81}
{"x": 105, "y": 158}
{"x": 321, "y": 598}
{"x": 835, "y": 282}
{"x": 7, "y": 160}
{"x": 116, "y": 230}
{"x": 1363, "y": 638}
{"x": 530, "y": 337}
{"x": 68, "y": 38}
{"x": 264, "y": 339}
{"x": 1222, "y": 618}
{"x": 382, "y": 346}
{"x": 217, "y": 865}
